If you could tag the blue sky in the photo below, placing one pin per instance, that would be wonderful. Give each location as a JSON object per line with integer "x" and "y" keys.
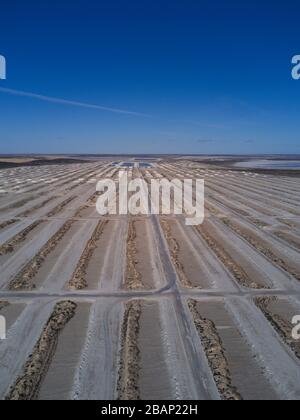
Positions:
{"x": 195, "y": 76}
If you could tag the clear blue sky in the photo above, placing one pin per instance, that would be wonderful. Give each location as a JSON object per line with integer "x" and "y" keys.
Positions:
{"x": 199, "y": 76}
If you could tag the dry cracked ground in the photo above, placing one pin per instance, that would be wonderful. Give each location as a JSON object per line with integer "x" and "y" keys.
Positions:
{"x": 145, "y": 307}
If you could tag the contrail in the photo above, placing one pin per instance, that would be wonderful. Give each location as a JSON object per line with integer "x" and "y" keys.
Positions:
{"x": 68, "y": 102}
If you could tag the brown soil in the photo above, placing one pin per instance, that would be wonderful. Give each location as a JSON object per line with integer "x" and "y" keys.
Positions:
{"x": 242, "y": 200}
{"x": 27, "y": 385}
{"x": 86, "y": 177}
{"x": 133, "y": 278}
{"x": 174, "y": 248}
{"x": 230, "y": 206}
{"x": 215, "y": 354}
{"x": 281, "y": 325}
{"x": 18, "y": 204}
{"x": 24, "y": 279}
{"x": 287, "y": 222}
{"x": 91, "y": 201}
{"x": 128, "y": 388}
{"x": 7, "y": 223}
{"x": 262, "y": 247}
{"x": 235, "y": 269}
{"x": 78, "y": 280}
{"x": 287, "y": 238}
{"x": 37, "y": 207}
{"x": 60, "y": 207}
{"x": 9, "y": 246}
{"x": 259, "y": 223}
{"x": 212, "y": 209}
{"x": 3, "y": 305}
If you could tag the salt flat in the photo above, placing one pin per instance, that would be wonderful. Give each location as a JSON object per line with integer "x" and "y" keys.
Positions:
{"x": 145, "y": 307}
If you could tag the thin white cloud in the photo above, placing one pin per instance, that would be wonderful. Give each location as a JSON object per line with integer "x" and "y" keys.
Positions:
{"x": 70, "y": 102}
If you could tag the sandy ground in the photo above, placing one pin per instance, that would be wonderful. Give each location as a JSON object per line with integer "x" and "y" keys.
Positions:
{"x": 134, "y": 333}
